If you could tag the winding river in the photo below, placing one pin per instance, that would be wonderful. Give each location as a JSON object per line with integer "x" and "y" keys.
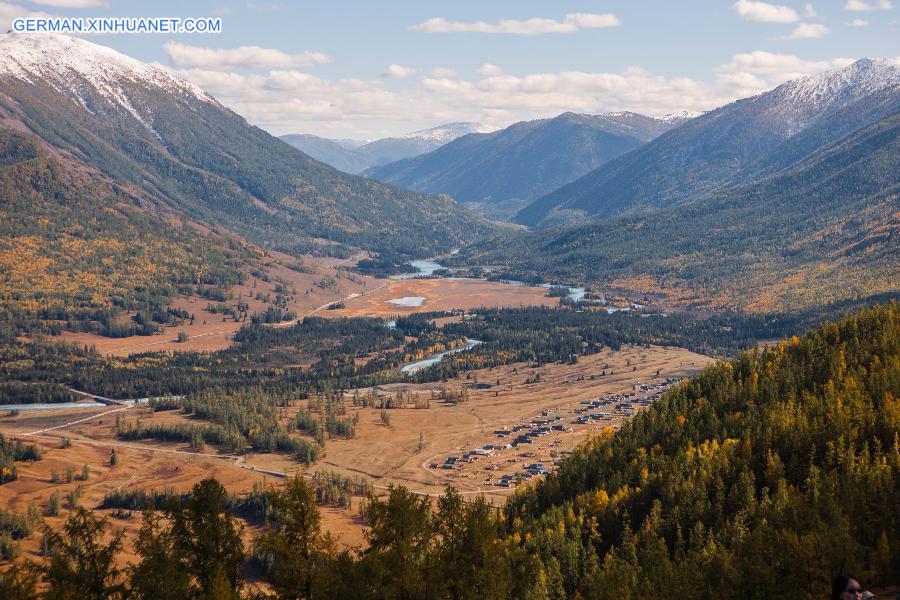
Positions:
{"x": 434, "y": 359}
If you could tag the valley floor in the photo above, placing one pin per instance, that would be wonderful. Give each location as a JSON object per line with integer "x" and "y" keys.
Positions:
{"x": 382, "y": 454}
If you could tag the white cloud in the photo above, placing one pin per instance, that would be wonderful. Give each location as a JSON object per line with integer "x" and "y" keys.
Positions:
{"x": 858, "y": 23}
{"x": 535, "y": 26}
{"x": 809, "y": 11}
{"x": 770, "y": 63}
{"x": 10, "y": 12}
{"x": 765, "y": 13}
{"x": 863, "y": 6}
{"x": 291, "y": 101}
{"x": 442, "y": 72}
{"x": 489, "y": 69}
{"x": 808, "y": 31}
{"x": 186, "y": 56}
{"x": 752, "y": 73}
{"x": 399, "y": 71}
{"x": 71, "y": 3}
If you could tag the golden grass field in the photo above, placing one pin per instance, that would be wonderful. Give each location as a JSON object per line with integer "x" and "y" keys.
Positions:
{"x": 442, "y": 295}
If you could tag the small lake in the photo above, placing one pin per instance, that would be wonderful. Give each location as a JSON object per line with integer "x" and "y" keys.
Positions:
{"x": 436, "y": 358}
{"x": 407, "y": 301}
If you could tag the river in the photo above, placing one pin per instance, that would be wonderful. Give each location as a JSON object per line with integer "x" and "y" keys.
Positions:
{"x": 50, "y": 406}
{"x": 434, "y": 359}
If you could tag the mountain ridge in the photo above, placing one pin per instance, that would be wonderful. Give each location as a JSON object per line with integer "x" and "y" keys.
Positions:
{"x": 821, "y": 230}
{"x": 738, "y": 143}
{"x": 180, "y": 148}
{"x": 500, "y": 172}
{"x": 362, "y": 155}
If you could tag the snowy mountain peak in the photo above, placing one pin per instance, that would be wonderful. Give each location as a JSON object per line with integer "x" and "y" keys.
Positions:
{"x": 840, "y": 86}
{"x": 448, "y": 132}
{"x": 684, "y": 115}
{"x": 66, "y": 63}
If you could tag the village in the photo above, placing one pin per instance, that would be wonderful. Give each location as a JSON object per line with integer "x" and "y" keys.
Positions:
{"x": 534, "y": 447}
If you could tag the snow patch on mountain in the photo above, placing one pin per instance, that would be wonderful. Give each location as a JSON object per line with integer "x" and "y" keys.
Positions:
{"x": 683, "y": 115}
{"x": 800, "y": 101}
{"x": 66, "y": 63}
{"x": 449, "y": 132}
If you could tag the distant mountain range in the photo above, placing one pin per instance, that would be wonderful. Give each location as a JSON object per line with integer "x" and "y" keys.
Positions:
{"x": 173, "y": 145}
{"x": 355, "y": 156}
{"x": 794, "y": 204}
{"x": 742, "y": 142}
{"x": 121, "y": 184}
{"x": 501, "y": 172}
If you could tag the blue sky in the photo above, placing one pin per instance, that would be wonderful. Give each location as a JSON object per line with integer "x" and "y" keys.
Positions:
{"x": 368, "y": 69}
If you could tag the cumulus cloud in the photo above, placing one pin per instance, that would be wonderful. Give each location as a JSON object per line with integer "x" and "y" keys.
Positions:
{"x": 751, "y": 73}
{"x": 536, "y": 26}
{"x": 858, "y": 23}
{"x": 399, "y": 71}
{"x": 765, "y": 13}
{"x": 199, "y": 57}
{"x": 807, "y": 31}
{"x": 863, "y": 6}
{"x": 9, "y": 12}
{"x": 489, "y": 69}
{"x": 809, "y": 11}
{"x": 291, "y": 101}
{"x": 760, "y": 61}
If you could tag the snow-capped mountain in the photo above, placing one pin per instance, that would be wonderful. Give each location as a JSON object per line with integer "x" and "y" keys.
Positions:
{"x": 738, "y": 143}
{"x": 447, "y": 133}
{"x": 681, "y": 116}
{"x": 69, "y": 64}
{"x": 175, "y": 148}
{"x": 357, "y": 158}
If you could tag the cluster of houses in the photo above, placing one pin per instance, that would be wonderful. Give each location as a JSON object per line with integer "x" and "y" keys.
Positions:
{"x": 526, "y": 433}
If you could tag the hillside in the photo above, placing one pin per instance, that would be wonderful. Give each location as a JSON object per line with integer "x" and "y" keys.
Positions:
{"x": 499, "y": 173}
{"x": 75, "y": 250}
{"x": 740, "y": 143}
{"x": 823, "y": 230}
{"x": 783, "y": 462}
{"x": 173, "y": 145}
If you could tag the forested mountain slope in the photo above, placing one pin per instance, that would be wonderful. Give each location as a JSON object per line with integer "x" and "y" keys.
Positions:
{"x": 764, "y": 477}
{"x": 74, "y": 248}
{"x": 823, "y": 230}
{"x": 176, "y": 146}
{"x": 501, "y": 172}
